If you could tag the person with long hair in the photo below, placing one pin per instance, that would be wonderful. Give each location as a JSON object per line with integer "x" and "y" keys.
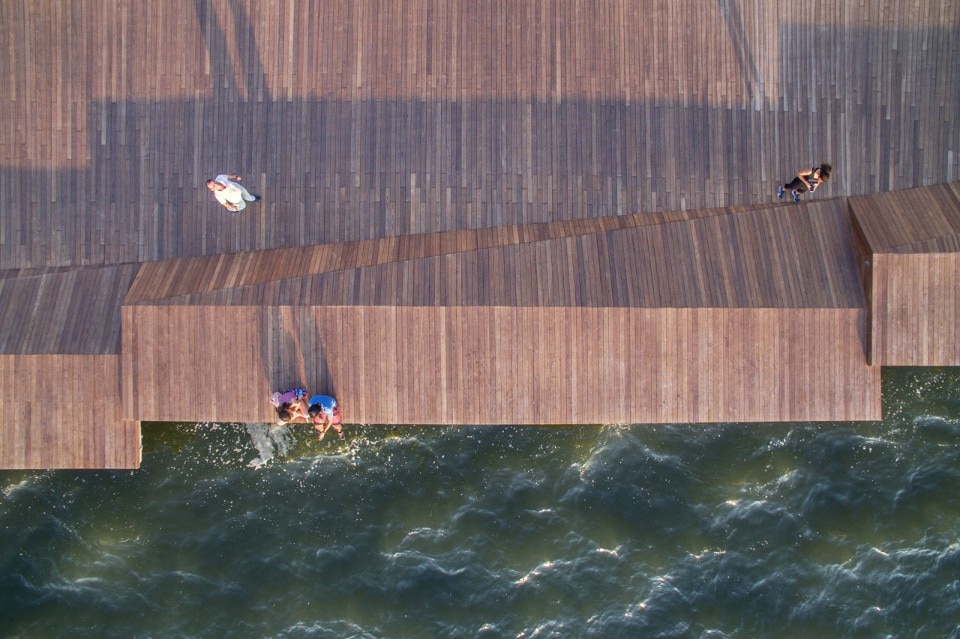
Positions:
{"x": 806, "y": 180}
{"x": 290, "y": 405}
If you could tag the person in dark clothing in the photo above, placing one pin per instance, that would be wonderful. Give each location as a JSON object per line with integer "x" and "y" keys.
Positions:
{"x": 806, "y": 180}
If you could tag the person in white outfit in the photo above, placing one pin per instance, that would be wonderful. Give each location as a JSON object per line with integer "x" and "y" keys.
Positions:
{"x": 229, "y": 193}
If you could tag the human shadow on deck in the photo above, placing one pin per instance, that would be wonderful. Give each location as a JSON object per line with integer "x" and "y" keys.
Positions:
{"x": 292, "y": 350}
{"x": 752, "y": 80}
{"x": 218, "y": 48}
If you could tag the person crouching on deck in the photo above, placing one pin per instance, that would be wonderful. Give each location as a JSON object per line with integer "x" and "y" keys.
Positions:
{"x": 807, "y": 180}
{"x": 290, "y": 405}
{"x": 325, "y": 413}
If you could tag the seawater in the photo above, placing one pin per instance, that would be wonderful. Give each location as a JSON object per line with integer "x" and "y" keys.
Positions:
{"x": 722, "y": 530}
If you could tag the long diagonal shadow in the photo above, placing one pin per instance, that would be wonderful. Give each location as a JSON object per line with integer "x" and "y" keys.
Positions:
{"x": 292, "y": 351}
{"x": 218, "y": 47}
{"x": 748, "y": 67}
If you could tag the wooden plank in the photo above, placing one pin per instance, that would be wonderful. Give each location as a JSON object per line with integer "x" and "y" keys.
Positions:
{"x": 577, "y": 374}
{"x": 84, "y": 429}
{"x": 908, "y": 218}
{"x": 343, "y": 109}
{"x": 915, "y": 310}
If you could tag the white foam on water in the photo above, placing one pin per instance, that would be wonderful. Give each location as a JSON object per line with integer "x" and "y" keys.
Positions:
{"x": 270, "y": 441}
{"x": 23, "y": 485}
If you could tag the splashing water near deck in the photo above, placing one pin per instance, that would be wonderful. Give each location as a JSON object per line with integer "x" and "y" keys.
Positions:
{"x": 725, "y": 530}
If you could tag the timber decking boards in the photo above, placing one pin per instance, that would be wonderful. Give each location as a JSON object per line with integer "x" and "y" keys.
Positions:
{"x": 70, "y": 312}
{"x": 31, "y": 272}
{"x": 59, "y": 371}
{"x": 923, "y": 220}
{"x": 784, "y": 257}
{"x": 913, "y": 240}
{"x": 359, "y": 121}
{"x": 436, "y": 148}
{"x": 429, "y": 328}
{"x": 174, "y": 278}
{"x": 64, "y": 411}
{"x": 916, "y": 309}
{"x": 439, "y": 365}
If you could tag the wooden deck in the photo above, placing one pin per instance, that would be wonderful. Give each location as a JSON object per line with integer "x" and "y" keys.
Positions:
{"x": 911, "y": 243}
{"x": 188, "y": 276}
{"x": 63, "y": 411}
{"x": 761, "y": 259}
{"x": 75, "y": 311}
{"x": 502, "y": 365}
{"x": 490, "y": 170}
{"x": 773, "y": 301}
{"x": 363, "y": 120}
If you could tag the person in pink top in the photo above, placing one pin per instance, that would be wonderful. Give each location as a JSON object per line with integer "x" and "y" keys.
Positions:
{"x": 290, "y": 405}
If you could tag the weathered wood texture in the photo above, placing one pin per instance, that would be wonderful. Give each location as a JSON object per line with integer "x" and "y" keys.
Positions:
{"x": 912, "y": 243}
{"x": 433, "y": 154}
{"x": 63, "y": 411}
{"x": 801, "y": 257}
{"x": 176, "y": 351}
{"x": 362, "y": 119}
{"x": 60, "y": 356}
{"x": 71, "y": 312}
{"x": 179, "y": 277}
{"x": 496, "y": 365}
{"x": 916, "y": 309}
{"x": 922, "y": 220}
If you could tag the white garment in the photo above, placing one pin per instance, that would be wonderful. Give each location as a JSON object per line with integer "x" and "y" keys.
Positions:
{"x": 233, "y": 193}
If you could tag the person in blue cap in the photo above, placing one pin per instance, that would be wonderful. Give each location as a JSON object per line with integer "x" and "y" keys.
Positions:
{"x": 325, "y": 414}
